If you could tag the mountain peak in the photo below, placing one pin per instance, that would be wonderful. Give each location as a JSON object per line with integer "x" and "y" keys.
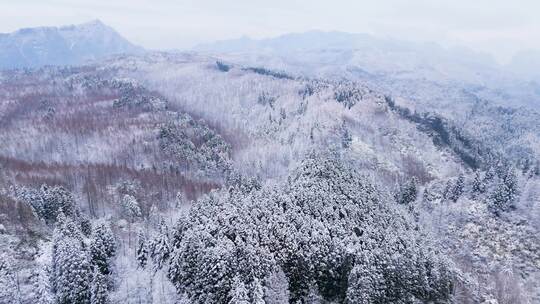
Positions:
{"x": 65, "y": 45}
{"x": 95, "y": 22}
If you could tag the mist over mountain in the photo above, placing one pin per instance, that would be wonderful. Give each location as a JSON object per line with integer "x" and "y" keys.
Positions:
{"x": 66, "y": 45}
{"x": 394, "y": 65}
{"x": 369, "y": 52}
{"x": 527, "y": 63}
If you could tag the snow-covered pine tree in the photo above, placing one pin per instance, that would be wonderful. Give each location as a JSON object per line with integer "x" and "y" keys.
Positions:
{"x": 55, "y": 200}
{"x": 42, "y": 287}
{"x": 130, "y": 207}
{"x": 142, "y": 250}
{"x": 66, "y": 227}
{"x": 276, "y": 287}
{"x": 72, "y": 273}
{"x": 160, "y": 248}
{"x": 313, "y": 295}
{"x": 47, "y": 202}
{"x": 454, "y": 188}
{"x": 86, "y": 225}
{"x": 257, "y": 292}
{"x": 239, "y": 293}
{"x": 366, "y": 282}
{"x": 478, "y": 184}
{"x": 408, "y": 192}
{"x": 99, "y": 293}
{"x": 102, "y": 248}
{"x": 32, "y": 197}
{"x": 8, "y": 285}
{"x": 458, "y": 188}
{"x": 505, "y": 194}
{"x": 346, "y": 137}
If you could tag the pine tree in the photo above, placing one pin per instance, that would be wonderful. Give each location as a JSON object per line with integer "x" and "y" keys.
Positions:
{"x": 490, "y": 174}
{"x": 276, "y": 287}
{"x": 258, "y": 292}
{"x": 33, "y": 198}
{"x": 142, "y": 249}
{"x": 511, "y": 182}
{"x": 86, "y": 225}
{"x": 478, "y": 185}
{"x": 454, "y": 188}
{"x": 99, "y": 291}
{"x": 346, "y": 137}
{"x": 66, "y": 227}
{"x": 56, "y": 200}
{"x": 313, "y": 296}
{"x": 71, "y": 270}
{"x": 160, "y": 248}
{"x": 366, "y": 284}
{"x": 458, "y": 188}
{"x": 131, "y": 207}
{"x": 238, "y": 293}
{"x": 42, "y": 288}
{"x": 8, "y": 285}
{"x": 408, "y": 192}
{"x": 102, "y": 248}
{"x": 72, "y": 273}
{"x": 505, "y": 194}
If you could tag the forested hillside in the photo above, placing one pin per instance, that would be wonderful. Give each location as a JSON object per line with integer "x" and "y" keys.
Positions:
{"x": 187, "y": 178}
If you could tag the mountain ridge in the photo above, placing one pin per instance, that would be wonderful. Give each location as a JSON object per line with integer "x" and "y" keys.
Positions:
{"x": 64, "y": 45}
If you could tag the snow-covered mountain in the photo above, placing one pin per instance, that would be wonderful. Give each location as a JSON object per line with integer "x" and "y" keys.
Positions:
{"x": 66, "y": 45}
{"x": 372, "y": 54}
{"x": 129, "y": 141}
{"x": 398, "y": 66}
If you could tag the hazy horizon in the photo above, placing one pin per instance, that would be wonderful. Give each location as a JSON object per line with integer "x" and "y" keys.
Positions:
{"x": 496, "y": 27}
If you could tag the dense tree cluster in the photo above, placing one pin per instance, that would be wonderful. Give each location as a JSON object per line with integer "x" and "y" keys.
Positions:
{"x": 321, "y": 229}
{"x": 102, "y": 248}
{"x": 192, "y": 143}
{"x": 48, "y": 202}
{"x": 78, "y": 269}
{"x": 71, "y": 271}
{"x": 504, "y": 190}
{"x": 408, "y": 192}
{"x": 348, "y": 93}
{"x": 267, "y": 72}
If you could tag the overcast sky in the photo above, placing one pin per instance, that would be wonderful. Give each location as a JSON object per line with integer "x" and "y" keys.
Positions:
{"x": 500, "y": 27}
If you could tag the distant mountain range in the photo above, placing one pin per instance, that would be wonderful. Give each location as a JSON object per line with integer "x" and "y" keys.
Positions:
{"x": 66, "y": 45}
{"x": 373, "y": 54}
{"x": 401, "y": 67}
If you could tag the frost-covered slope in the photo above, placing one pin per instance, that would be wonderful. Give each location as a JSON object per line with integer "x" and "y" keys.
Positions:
{"x": 276, "y": 119}
{"x": 301, "y": 184}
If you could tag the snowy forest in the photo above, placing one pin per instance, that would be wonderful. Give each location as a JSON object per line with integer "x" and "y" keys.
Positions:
{"x": 209, "y": 177}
